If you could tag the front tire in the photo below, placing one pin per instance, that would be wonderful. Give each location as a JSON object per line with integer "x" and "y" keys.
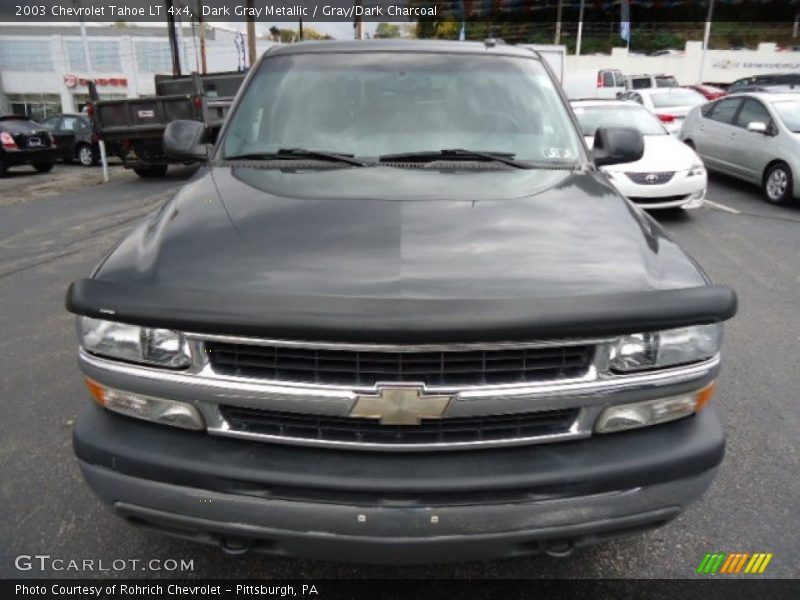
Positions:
{"x": 151, "y": 171}
{"x": 43, "y": 167}
{"x": 779, "y": 184}
{"x": 86, "y": 155}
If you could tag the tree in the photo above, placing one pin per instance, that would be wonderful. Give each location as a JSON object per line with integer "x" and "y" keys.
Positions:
{"x": 443, "y": 30}
{"x": 387, "y": 30}
{"x": 313, "y": 34}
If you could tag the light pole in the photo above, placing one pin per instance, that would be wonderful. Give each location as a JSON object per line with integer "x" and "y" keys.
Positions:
{"x": 706, "y": 38}
{"x": 90, "y": 70}
{"x": 580, "y": 30}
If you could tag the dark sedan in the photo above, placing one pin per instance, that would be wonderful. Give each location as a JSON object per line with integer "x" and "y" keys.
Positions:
{"x": 23, "y": 141}
{"x": 74, "y": 137}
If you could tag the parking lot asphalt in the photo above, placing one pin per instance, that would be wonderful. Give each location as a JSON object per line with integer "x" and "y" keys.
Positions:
{"x": 48, "y": 241}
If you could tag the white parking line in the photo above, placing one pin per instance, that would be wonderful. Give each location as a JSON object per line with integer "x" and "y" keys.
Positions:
{"x": 722, "y": 207}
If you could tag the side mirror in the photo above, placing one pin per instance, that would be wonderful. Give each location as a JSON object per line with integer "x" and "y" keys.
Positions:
{"x": 758, "y": 127}
{"x": 185, "y": 140}
{"x": 616, "y": 145}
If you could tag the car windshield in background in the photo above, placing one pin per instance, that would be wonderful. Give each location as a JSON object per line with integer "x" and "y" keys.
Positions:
{"x": 592, "y": 117}
{"x": 789, "y": 113}
{"x": 18, "y": 125}
{"x": 677, "y": 97}
{"x": 371, "y": 105}
{"x": 666, "y": 82}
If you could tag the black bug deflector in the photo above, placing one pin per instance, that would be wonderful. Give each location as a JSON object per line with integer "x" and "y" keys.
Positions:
{"x": 399, "y": 320}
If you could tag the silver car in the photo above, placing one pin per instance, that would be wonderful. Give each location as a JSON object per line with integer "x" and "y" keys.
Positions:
{"x": 751, "y": 136}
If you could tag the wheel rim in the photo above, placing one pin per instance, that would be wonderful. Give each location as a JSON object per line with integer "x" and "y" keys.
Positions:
{"x": 85, "y": 156}
{"x": 777, "y": 183}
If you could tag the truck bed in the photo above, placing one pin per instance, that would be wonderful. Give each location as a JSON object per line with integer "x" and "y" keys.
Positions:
{"x": 122, "y": 119}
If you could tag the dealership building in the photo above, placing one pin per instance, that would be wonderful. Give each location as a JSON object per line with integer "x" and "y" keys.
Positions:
{"x": 43, "y": 69}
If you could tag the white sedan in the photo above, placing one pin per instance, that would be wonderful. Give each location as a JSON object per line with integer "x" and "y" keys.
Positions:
{"x": 669, "y": 174}
{"x": 670, "y": 105}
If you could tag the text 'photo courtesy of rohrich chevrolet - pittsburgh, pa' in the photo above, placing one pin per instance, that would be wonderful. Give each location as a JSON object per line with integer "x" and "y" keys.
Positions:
{"x": 414, "y": 298}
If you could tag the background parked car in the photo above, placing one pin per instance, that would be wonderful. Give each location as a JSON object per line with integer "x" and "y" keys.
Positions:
{"x": 669, "y": 174}
{"x": 751, "y": 136}
{"x": 709, "y": 92}
{"x": 24, "y": 142}
{"x": 645, "y": 81}
{"x": 670, "y": 105}
{"x": 765, "y": 83}
{"x": 75, "y": 138}
{"x": 595, "y": 83}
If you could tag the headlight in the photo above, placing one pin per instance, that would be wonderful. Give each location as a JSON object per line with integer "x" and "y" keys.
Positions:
{"x": 696, "y": 169}
{"x": 161, "y": 347}
{"x": 665, "y": 348}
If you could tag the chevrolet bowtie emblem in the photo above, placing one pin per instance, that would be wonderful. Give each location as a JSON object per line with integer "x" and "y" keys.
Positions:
{"x": 400, "y": 405}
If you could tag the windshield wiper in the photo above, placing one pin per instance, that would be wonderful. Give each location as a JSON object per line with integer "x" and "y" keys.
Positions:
{"x": 507, "y": 158}
{"x": 299, "y": 154}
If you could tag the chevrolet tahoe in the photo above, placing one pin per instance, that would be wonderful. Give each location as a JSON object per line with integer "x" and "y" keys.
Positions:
{"x": 399, "y": 316}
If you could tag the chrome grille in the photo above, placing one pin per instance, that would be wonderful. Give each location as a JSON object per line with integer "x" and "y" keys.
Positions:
{"x": 369, "y": 431}
{"x": 365, "y": 368}
{"x": 652, "y": 178}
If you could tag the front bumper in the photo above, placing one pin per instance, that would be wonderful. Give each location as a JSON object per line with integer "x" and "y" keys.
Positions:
{"x": 680, "y": 192}
{"x": 393, "y": 508}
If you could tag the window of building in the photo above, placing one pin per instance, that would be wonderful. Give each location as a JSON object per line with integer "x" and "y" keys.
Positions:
{"x": 104, "y": 55}
{"x": 153, "y": 57}
{"x": 25, "y": 55}
{"x": 37, "y": 106}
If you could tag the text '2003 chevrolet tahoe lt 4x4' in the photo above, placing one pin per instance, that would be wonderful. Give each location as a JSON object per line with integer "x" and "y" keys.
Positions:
{"x": 399, "y": 316}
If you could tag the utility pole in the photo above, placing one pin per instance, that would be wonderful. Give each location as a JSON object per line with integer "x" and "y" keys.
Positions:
{"x": 706, "y": 38}
{"x": 301, "y": 29}
{"x": 251, "y": 35}
{"x": 173, "y": 40}
{"x": 203, "y": 64}
{"x": 558, "y": 22}
{"x": 358, "y": 24}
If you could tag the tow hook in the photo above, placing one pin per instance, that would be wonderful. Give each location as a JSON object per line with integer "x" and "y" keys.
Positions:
{"x": 560, "y": 549}
{"x": 235, "y": 546}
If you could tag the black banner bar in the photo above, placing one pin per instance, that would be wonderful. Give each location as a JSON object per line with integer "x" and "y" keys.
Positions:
{"x": 496, "y": 11}
{"x": 717, "y": 588}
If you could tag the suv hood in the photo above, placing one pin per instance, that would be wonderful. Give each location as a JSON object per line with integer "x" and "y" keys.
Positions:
{"x": 391, "y": 233}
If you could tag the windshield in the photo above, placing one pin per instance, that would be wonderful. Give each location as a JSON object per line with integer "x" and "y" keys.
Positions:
{"x": 677, "y": 97}
{"x": 592, "y": 117}
{"x": 374, "y": 104}
{"x": 789, "y": 113}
